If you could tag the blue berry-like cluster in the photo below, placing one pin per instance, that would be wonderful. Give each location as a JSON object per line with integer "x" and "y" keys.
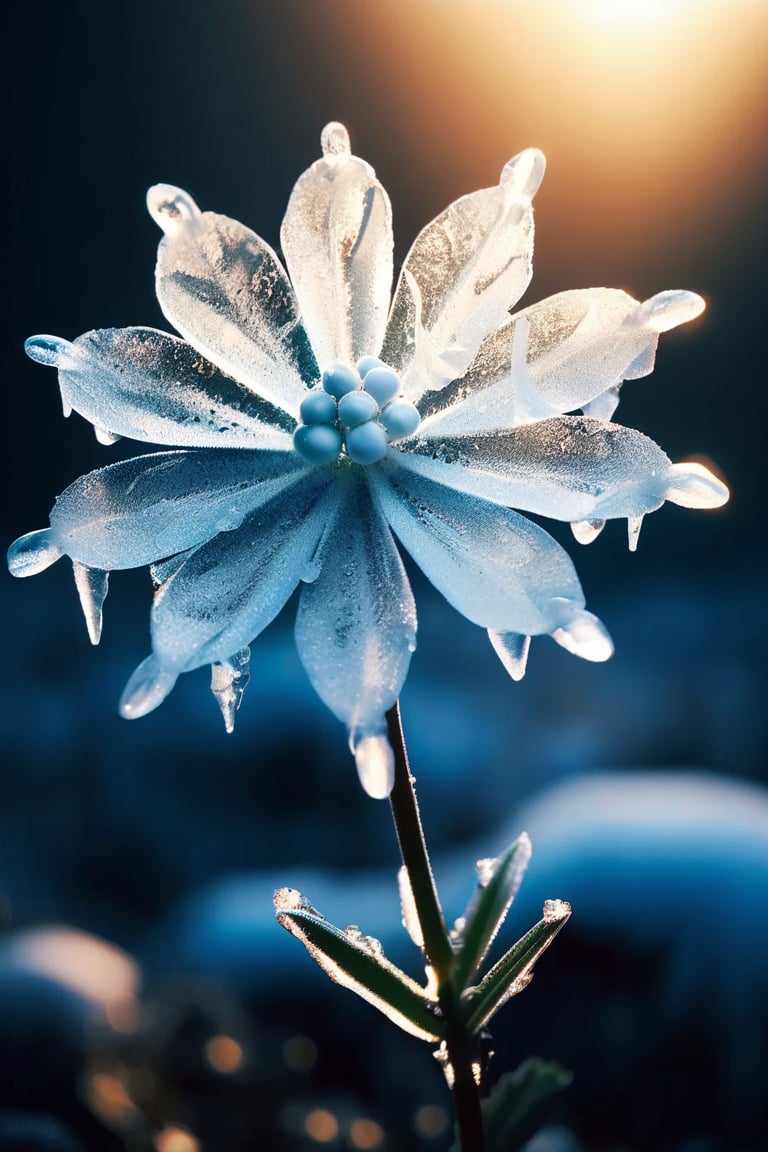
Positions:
{"x": 356, "y": 410}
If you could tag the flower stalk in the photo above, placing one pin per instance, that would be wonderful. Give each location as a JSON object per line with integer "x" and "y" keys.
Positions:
{"x": 459, "y": 1044}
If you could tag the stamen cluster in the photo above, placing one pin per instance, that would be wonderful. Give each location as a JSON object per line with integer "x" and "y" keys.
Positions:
{"x": 357, "y": 411}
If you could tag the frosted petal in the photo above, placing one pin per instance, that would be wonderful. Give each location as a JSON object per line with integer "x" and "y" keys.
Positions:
{"x": 464, "y": 272}
{"x": 231, "y": 588}
{"x": 569, "y": 467}
{"x": 497, "y": 568}
{"x": 512, "y": 649}
{"x": 33, "y": 553}
{"x": 356, "y": 628}
{"x": 580, "y": 345}
{"x": 584, "y": 635}
{"x": 229, "y": 679}
{"x": 337, "y": 241}
{"x": 150, "y": 507}
{"x": 227, "y": 293}
{"x": 667, "y": 309}
{"x": 150, "y": 386}
{"x": 91, "y": 584}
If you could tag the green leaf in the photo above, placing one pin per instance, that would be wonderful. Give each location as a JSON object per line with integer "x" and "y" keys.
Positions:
{"x": 514, "y": 971}
{"x": 499, "y": 881}
{"x": 521, "y": 1103}
{"x": 357, "y": 962}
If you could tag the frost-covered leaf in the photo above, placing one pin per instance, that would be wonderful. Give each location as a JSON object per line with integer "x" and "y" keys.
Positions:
{"x": 151, "y": 386}
{"x": 463, "y": 273}
{"x": 498, "y": 882}
{"x": 225, "y": 290}
{"x": 356, "y": 626}
{"x": 514, "y": 971}
{"x": 150, "y": 507}
{"x": 337, "y": 240}
{"x": 357, "y": 962}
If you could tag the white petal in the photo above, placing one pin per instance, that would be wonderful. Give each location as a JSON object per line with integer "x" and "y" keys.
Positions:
{"x": 497, "y": 568}
{"x": 584, "y": 635}
{"x": 150, "y": 507}
{"x": 356, "y": 625}
{"x": 580, "y": 345}
{"x": 337, "y": 241}
{"x": 227, "y": 293}
{"x": 150, "y": 386}
{"x": 464, "y": 272}
{"x": 231, "y": 588}
{"x": 691, "y": 485}
{"x": 569, "y": 468}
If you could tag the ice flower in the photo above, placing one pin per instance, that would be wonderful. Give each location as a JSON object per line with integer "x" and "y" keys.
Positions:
{"x": 314, "y": 422}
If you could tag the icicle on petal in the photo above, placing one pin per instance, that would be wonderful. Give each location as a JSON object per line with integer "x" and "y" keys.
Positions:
{"x": 693, "y": 486}
{"x": 33, "y": 553}
{"x": 92, "y": 585}
{"x": 337, "y": 241}
{"x": 634, "y": 524}
{"x": 229, "y": 679}
{"x": 585, "y": 531}
{"x": 584, "y": 635}
{"x": 104, "y": 437}
{"x": 227, "y": 293}
{"x": 147, "y": 688}
{"x": 512, "y": 649}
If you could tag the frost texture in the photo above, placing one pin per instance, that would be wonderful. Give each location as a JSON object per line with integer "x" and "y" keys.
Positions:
{"x": 235, "y": 518}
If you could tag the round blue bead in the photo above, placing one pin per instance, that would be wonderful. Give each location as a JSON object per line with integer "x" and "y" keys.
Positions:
{"x": 317, "y": 443}
{"x": 400, "y": 418}
{"x": 340, "y": 379}
{"x": 365, "y": 363}
{"x": 357, "y": 407}
{"x": 383, "y": 384}
{"x": 318, "y": 408}
{"x": 367, "y": 443}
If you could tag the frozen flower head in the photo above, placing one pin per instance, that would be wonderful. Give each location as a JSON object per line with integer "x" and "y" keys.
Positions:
{"x": 315, "y": 421}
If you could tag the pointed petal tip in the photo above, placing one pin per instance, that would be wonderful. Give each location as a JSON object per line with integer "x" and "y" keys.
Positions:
{"x": 33, "y": 553}
{"x": 523, "y": 174}
{"x": 375, "y": 762}
{"x": 692, "y": 485}
{"x": 147, "y": 688}
{"x": 585, "y": 635}
{"x": 667, "y": 309}
{"x": 171, "y": 208}
{"x": 49, "y": 350}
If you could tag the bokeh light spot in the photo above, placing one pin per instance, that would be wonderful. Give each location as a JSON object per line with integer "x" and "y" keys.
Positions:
{"x": 321, "y": 1125}
{"x": 430, "y": 1121}
{"x": 176, "y": 1140}
{"x": 365, "y": 1133}
{"x": 223, "y": 1054}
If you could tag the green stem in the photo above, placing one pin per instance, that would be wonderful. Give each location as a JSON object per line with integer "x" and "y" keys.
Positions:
{"x": 461, "y": 1050}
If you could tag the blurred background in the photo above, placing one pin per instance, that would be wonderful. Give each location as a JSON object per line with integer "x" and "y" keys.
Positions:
{"x": 147, "y": 999}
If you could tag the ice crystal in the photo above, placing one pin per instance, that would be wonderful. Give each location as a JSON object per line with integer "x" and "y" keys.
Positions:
{"x": 311, "y": 420}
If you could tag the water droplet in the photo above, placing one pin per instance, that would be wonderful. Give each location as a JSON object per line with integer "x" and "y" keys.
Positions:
{"x": 291, "y": 900}
{"x": 556, "y": 910}
{"x": 586, "y": 636}
{"x": 334, "y": 140}
{"x": 229, "y": 679}
{"x": 33, "y": 553}
{"x": 171, "y": 207}
{"x": 375, "y": 763}
{"x": 585, "y": 531}
{"x": 634, "y": 524}
{"x": 92, "y": 585}
{"x": 485, "y": 870}
{"x": 105, "y": 437}
{"x": 147, "y": 688}
{"x": 51, "y": 350}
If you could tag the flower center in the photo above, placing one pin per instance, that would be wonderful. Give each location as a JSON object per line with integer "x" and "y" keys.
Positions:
{"x": 356, "y": 411}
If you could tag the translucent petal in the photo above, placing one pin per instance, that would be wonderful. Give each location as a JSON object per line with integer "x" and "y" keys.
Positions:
{"x": 569, "y": 468}
{"x": 33, "y": 553}
{"x": 227, "y": 293}
{"x": 356, "y": 625}
{"x": 150, "y": 386}
{"x": 464, "y": 272}
{"x": 150, "y": 507}
{"x": 691, "y": 485}
{"x": 584, "y": 635}
{"x": 585, "y": 531}
{"x": 497, "y": 568}
{"x": 147, "y": 688}
{"x": 231, "y": 588}
{"x": 337, "y": 241}
{"x": 92, "y": 585}
{"x": 580, "y": 345}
